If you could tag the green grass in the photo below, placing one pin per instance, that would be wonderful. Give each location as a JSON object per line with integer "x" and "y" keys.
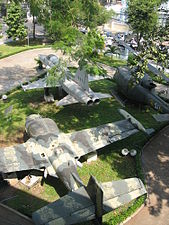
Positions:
{"x": 16, "y": 47}
{"x": 114, "y": 62}
{"x": 110, "y": 165}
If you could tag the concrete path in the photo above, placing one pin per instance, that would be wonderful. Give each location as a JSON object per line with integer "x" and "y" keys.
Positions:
{"x": 156, "y": 166}
{"x": 20, "y": 68}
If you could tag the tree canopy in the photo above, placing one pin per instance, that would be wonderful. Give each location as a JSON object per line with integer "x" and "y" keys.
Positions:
{"x": 142, "y": 17}
{"x": 61, "y": 17}
{"x": 35, "y": 10}
{"x": 144, "y": 20}
{"x": 15, "y": 21}
{"x": 84, "y": 53}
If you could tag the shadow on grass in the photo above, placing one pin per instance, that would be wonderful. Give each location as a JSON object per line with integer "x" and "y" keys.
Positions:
{"x": 21, "y": 200}
{"x": 25, "y": 200}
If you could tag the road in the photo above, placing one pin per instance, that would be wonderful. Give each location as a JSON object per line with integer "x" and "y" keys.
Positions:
{"x": 20, "y": 68}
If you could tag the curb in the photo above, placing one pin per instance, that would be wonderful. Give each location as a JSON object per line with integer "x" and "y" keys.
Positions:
{"x": 133, "y": 215}
{"x": 24, "y": 50}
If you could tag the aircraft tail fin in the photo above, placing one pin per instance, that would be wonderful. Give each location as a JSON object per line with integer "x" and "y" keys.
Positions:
{"x": 81, "y": 77}
{"x": 85, "y": 204}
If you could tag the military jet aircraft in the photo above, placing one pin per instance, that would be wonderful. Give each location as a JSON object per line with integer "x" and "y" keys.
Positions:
{"x": 76, "y": 87}
{"x": 88, "y": 203}
{"x": 49, "y": 61}
{"x": 152, "y": 66}
{"x": 57, "y": 153}
{"x": 143, "y": 92}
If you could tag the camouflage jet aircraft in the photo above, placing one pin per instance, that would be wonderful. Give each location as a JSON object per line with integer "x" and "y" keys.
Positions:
{"x": 143, "y": 92}
{"x": 57, "y": 153}
{"x": 88, "y": 203}
{"x": 76, "y": 87}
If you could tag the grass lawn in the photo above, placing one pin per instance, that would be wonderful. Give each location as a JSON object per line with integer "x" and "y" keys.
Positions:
{"x": 110, "y": 164}
{"x": 108, "y": 61}
{"x": 16, "y": 47}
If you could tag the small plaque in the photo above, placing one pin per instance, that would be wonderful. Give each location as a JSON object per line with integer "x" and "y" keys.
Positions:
{"x": 30, "y": 180}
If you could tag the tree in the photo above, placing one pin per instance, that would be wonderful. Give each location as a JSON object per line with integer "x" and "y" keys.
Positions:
{"x": 85, "y": 53}
{"x": 15, "y": 21}
{"x": 88, "y": 50}
{"x": 62, "y": 17}
{"x": 112, "y": 49}
{"x": 63, "y": 20}
{"x": 35, "y": 10}
{"x": 142, "y": 17}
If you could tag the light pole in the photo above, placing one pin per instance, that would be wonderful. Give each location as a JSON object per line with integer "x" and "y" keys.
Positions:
{"x": 28, "y": 36}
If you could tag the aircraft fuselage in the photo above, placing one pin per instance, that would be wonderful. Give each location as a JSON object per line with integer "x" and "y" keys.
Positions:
{"x": 142, "y": 92}
{"x": 74, "y": 89}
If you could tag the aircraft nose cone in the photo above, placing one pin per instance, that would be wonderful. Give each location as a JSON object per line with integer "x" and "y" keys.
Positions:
{"x": 68, "y": 174}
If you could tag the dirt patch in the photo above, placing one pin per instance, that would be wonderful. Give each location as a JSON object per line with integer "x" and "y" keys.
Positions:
{"x": 12, "y": 140}
{"x": 11, "y": 188}
{"x": 34, "y": 105}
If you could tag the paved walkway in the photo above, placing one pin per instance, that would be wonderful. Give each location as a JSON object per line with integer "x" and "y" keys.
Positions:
{"x": 20, "y": 68}
{"x": 156, "y": 166}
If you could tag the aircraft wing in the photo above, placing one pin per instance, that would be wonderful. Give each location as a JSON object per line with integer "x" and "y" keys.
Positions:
{"x": 95, "y": 78}
{"x": 120, "y": 192}
{"x": 41, "y": 83}
{"x": 27, "y": 156}
{"x": 102, "y": 95}
{"x": 77, "y": 206}
{"x": 99, "y": 94}
{"x": 88, "y": 140}
{"x": 67, "y": 100}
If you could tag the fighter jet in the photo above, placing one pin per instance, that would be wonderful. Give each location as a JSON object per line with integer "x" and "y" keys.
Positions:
{"x": 78, "y": 90}
{"x": 48, "y": 61}
{"x": 56, "y": 153}
{"x": 152, "y": 66}
{"x": 88, "y": 203}
{"x": 143, "y": 92}
{"x": 76, "y": 87}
